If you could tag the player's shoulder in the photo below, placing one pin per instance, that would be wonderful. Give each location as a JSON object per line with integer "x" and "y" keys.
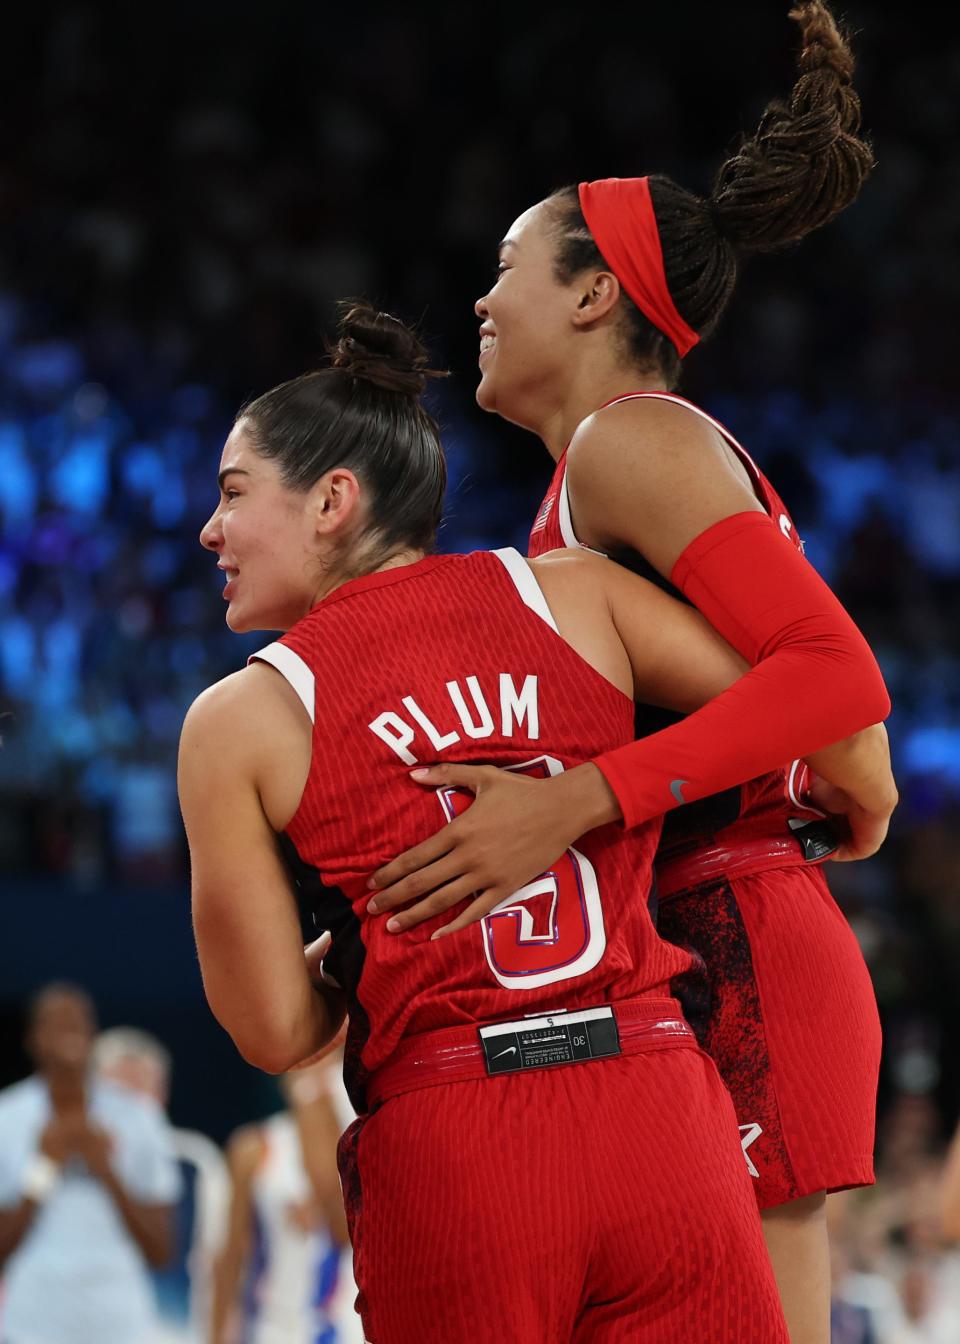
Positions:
{"x": 239, "y": 702}
{"x": 224, "y": 696}
{"x": 572, "y": 572}
{"x": 640, "y": 429}
{"x": 576, "y": 563}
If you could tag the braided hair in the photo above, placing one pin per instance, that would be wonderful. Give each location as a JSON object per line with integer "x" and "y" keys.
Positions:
{"x": 805, "y": 163}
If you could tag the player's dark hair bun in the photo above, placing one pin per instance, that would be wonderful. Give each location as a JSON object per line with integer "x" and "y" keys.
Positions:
{"x": 381, "y": 350}
{"x": 362, "y": 411}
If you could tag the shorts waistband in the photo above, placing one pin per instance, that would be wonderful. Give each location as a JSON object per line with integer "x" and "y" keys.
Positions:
{"x": 734, "y": 860}
{"x": 455, "y": 1055}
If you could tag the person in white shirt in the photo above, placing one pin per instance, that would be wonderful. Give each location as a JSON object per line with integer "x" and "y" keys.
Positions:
{"x": 135, "y": 1059}
{"x": 929, "y": 1315}
{"x": 87, "y": 1181}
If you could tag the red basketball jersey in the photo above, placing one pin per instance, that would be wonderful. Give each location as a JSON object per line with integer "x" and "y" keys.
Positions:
{"x": 760, "y": 806}
{"x": 457, "y": 658}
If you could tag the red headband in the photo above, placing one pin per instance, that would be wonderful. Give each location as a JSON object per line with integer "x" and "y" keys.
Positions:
{"x": 619, "y": 214}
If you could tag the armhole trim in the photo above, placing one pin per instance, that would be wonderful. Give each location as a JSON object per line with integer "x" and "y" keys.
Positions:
{"x": 525, "y": 582}
{"x": 563, "y": 513}
{"x": 798, "y": 772}
{"x": 566, "y": 521}
{"x": 294, "y": 670}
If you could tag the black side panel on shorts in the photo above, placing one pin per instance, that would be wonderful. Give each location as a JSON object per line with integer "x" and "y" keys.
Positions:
{"x": 728, "y": 1020}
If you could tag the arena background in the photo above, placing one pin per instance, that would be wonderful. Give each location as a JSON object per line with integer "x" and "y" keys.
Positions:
{"x": 186, "y": 189}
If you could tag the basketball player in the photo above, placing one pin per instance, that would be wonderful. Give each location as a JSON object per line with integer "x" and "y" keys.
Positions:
{"x": 496, "y": 1185}
{"x": 283, "y": 1271}
{"x": 600, "y": 293}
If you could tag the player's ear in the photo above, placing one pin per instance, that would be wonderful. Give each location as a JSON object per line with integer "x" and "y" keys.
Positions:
{"x": 334, "y": 499}
{"x": 596, "y": 293}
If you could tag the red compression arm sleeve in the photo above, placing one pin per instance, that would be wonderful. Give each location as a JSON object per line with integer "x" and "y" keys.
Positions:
{"x": 814, "y": 682}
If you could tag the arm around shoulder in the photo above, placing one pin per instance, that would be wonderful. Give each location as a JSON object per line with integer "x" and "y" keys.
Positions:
{"x": 814, "y": 681}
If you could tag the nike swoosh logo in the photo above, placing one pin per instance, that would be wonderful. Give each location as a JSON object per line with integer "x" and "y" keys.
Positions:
{"x": 510, "y": 1050}
{"x": 676, "y": 788}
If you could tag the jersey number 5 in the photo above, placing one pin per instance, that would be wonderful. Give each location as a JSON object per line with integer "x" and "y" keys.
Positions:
{"x": 551, "y": 929}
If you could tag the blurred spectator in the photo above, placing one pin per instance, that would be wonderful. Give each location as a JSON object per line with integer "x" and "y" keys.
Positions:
{"x": 895, "y": 1261}
{"x": 136, "y": 1060}
{"x": 284, "y": 1274}
{"x": 929, "y": 1316}
{"x": 87, "y": 1181}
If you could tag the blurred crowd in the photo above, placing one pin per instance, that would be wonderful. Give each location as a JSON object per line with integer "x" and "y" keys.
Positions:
{"x": 117, "y": 1227}
{"x": 110, "y": 619}
{"x": 251, "y": 1241}
{"x": 181, "y": 214}
{"x": 895, "y": 1247}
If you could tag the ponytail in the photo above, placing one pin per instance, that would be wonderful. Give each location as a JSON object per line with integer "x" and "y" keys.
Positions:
{"x": 806, "y": 161}
{"x": 804, "y": 164}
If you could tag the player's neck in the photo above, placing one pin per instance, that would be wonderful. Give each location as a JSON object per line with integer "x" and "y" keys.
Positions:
{"x": 408, "y": 556}
{"x": 588, "y": 390}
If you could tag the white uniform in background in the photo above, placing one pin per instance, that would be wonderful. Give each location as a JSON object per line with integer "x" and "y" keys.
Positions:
{"x": 300, "y": 1287}
{"x": 199, "y": 1156}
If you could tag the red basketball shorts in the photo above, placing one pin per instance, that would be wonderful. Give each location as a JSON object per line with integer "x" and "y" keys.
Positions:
{"x": 589, "y": 1202}
{"x": 790, "y": 1018}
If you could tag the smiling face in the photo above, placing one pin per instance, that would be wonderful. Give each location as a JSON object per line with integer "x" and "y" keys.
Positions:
{"x": 265, "y": 536}
{"x": 528, "y": 323}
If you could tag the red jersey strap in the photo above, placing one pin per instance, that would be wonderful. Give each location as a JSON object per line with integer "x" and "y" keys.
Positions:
{"x": 814, "y": 683}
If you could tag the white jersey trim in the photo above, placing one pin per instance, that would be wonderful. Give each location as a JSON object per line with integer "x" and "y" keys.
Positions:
{"x": 792, "y": 784}
{"x": 563, "y": 513}
{"x": 526, "y": 584}
{"x": 570, "y": 537}
{"x": 292, "y": 667}
{"x": 794, "y": 795}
